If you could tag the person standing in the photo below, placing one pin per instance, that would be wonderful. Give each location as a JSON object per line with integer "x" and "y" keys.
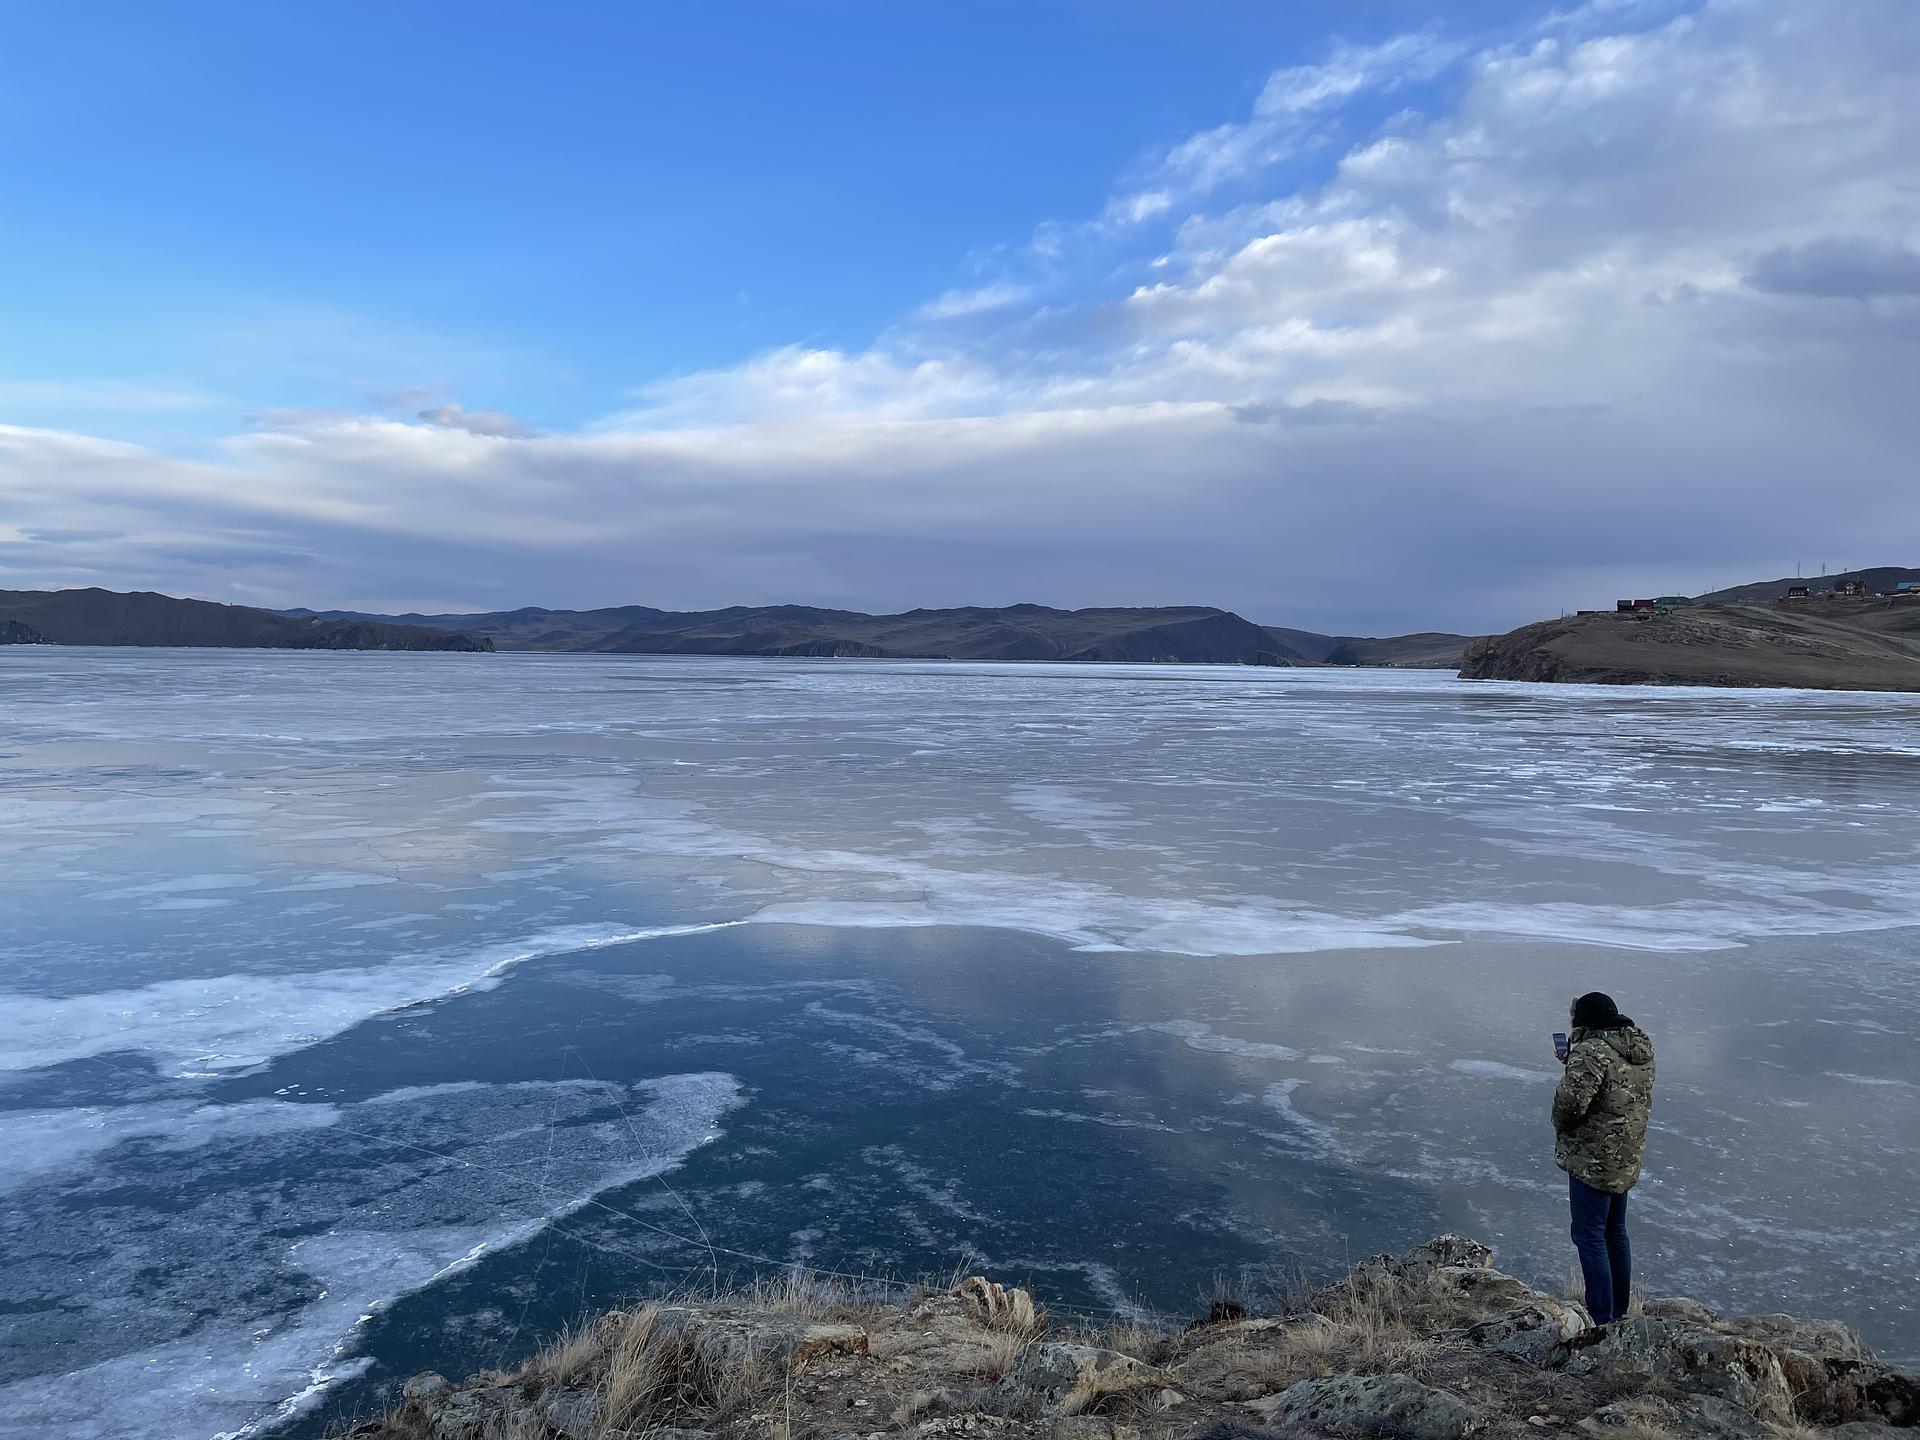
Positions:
{"x": 1600, "y": 1117}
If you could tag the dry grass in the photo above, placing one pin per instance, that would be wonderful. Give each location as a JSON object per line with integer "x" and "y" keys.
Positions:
{"x": 1387, "y": 1325}
{"x": 1644, "y": 1422}
{"x": 641, "y": 1366}
{"x": 1359, "y": 1326}
{"x": 1095, "y": 1391}
{"x": 1150, "y": 1344}
{"x": 1008, "y": 1310}
{"x": 796, "y": 1291}
{"x": 1001, "y": 1351}
{"x": 566, "y": 1359}
{"x": 1226, "y": 1298}
{"x": 526, "y": 1428}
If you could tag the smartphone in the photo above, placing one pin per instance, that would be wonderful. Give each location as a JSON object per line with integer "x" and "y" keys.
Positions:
{"x": 1560, "y": 1044}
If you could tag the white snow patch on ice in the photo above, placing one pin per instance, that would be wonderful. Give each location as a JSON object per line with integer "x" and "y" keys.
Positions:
{"x": 1494, "y": 1070}
{"x": 233, "y": 1022}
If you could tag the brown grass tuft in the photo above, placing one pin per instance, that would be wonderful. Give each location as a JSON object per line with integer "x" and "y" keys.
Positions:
{"x": 1149, "y": 1344}
{"x": 571, "y": 1355}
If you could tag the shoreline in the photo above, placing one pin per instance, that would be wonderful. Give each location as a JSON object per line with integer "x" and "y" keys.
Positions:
{"x": 1433, "y": 1344}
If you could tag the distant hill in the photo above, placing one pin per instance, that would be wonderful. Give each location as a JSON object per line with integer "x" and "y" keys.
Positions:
{"x": 1878, "y": 580}
{"x": 1838, "y": 645}
{"x": 109, "y": 617}
{"x": 1429, "y": 650}
{"x": 1194, "y": 634}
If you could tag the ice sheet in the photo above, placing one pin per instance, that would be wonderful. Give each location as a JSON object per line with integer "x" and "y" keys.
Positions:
{"x": 325, "y": 1216}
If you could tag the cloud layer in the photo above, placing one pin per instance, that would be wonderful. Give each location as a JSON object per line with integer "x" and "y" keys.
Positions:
{"x": 1630, "y": 308}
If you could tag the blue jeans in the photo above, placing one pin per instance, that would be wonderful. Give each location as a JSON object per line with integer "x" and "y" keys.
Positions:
{"x": 1606, "y": 1260}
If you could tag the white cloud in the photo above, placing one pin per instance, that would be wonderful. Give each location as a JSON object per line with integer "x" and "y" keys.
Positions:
{"x": 958, "y": 304}
{"x": 476, "y": 422}
{"x": 1283, "y": 121}
{"x": 1619, "y": 310}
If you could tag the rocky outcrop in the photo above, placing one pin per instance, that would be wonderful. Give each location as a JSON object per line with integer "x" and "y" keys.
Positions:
{"x": 1371, "y": 1404}
{"x": 1432, "y": 1344}
{"x": 1053, "y": 1378}
{"x": 18, "y": 632}
{"x": 1536, "y": 1332}
{"x": 1704, "y": 645}
{"x": 1692, "y": 1359}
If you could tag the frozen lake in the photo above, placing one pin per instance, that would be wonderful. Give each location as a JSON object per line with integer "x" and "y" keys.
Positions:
{"x": 361, "y": 1014}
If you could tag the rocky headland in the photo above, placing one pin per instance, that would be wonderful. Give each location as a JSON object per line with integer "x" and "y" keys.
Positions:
{"x": 1852, "y": 645}
{"x": 1434, "y": 1344}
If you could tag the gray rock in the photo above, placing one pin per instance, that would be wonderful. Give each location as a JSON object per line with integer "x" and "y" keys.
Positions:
{"x": 1823, "y": 1339}
{"x": 1081, "y": 1427}
{"x": 1042, "y": 1376}
{"x": 1859, "y": 1430}
{"x": 426, "y": 1386}
{"x": 1534, "y": 1332}
{"x": 479, "y": 1412}
{"x": 1678, "y": 1307}
{"x": 1691, "y": 1358}
{"x": 573, "y": 1412}
{"x": 1836, "y": 1392}
{"x": 1447, "y": 1264}
{"x": 1443, "y": 1252}
{"x": 1449, "y": 1251}
{"x": 1707, "y": 1418}
{"x": 1487, "y": 1289}
{"x": 1372, "y": 1403}
{"x": 751, "y": 1337}
{"x": 1239, "y": 1430}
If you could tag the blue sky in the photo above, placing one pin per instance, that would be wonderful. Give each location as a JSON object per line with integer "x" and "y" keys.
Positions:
{"x": 873, "y": 303}
{"x": 293, "y": 206}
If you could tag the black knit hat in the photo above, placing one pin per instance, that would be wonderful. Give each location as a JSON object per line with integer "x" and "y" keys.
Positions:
{"x": 1596, "y": 1011}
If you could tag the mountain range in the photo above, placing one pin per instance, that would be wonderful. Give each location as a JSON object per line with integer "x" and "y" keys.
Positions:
{"x": 140, "y": 617}
{"x": 1735, "y": 636}
{"x": 1194, "y": 634}
{"x": 1181, "y": 633}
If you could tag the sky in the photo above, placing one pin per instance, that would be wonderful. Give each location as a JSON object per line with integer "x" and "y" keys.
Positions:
{"x": 1361, "y": 316}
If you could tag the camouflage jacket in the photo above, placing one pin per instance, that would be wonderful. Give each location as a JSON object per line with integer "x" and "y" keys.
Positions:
{"x": 1600, "y": 1110}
